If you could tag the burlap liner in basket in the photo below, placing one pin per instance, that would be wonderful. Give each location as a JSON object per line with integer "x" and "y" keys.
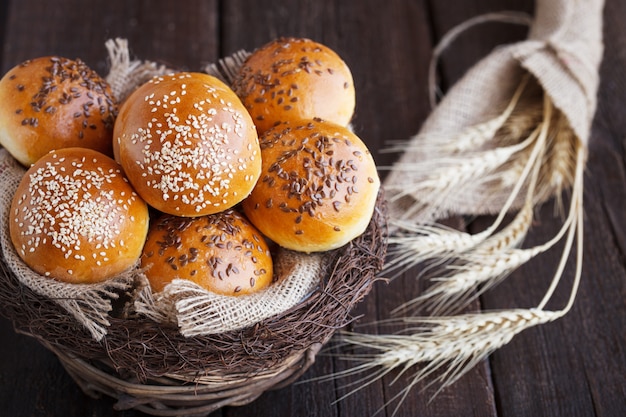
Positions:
{"x": 199, "y": 312}
{"x": 153, "y": 366}
{"x": 155, "y": 369}
{"x": 195, "y": 310}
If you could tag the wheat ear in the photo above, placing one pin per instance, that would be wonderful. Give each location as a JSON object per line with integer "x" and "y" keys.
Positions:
{"x": 415, "y": 243}
{"x": 454, "y": 344}
{"x": 487, "y": 264}
{"x": 557, "y": 174}
{"x": 468, "y": 139}
{"x": 485, "y": 267}
{"x": 486, "y": 257}
{"x": 442, "y": 177}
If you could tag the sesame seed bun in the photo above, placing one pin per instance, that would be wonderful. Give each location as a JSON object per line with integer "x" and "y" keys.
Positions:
{"x": 222, "y": 253}
{"x": 51, "y": 103}
{"x": 75, "y": 217}
{"x": 187, "y": 144}
{"x": 318, "y": 186}
{"x": 295, "y": 78}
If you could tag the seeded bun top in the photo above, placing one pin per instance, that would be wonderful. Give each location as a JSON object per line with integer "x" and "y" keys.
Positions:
{"x": 318, "y": 186}
{"x": 221, "y": 252}
{"x": 75, "y": 217}
{"x": 295, "y": 78}
{"x": 187, "y": 144}
{"x": 52, "y": 103}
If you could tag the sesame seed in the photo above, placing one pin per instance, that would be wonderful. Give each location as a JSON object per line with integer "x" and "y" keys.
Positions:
{"x": 49, "y": 220}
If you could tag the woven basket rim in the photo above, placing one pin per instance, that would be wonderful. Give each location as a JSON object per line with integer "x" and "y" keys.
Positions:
{"x": 237, "y": 366}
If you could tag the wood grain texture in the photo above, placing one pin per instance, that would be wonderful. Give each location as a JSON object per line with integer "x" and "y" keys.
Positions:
{"x": 156, "y": 30}
{"x": 567, "y": 368}
{"x": 575, "y": 366}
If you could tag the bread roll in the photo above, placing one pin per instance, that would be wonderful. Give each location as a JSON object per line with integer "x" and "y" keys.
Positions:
{"x": 221, "y": 252}
{"x": 75, "y": 217}
{"x": 318, "y": 186}
{"x": 187, "y": 144}
{"x": 295, "y": 78}
{"x": 52, "y": 103}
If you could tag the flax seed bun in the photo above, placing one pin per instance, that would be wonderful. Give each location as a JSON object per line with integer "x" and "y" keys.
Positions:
{"x": 52, "y": 103}
{"x": 295, "y": 78}
{"x": 187, "y": 144}
{"x": 221, "y": 252}
{"x": 75, "y": 217}
{"x": 318, "y": 186}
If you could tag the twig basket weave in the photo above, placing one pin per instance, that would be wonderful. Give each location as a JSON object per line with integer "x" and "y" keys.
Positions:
{"x": 150, "y": 365}
{"x": 152, "y": 368}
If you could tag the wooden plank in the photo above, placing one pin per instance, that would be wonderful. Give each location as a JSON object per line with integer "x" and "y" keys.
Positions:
{"x": 575, "y": 366}
{"x": 155, "y": 32}
{"x": 473, "y": 394}
{"x": 392, "y": 104}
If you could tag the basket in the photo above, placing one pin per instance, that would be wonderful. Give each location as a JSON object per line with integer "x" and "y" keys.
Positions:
{"x": 152, "y": 368}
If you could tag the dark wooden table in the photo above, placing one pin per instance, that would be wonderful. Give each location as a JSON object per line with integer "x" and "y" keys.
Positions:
{"x": 575, "y": 366}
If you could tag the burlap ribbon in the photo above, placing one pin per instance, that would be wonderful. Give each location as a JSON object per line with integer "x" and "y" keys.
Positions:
{"x": 563, "y": 51}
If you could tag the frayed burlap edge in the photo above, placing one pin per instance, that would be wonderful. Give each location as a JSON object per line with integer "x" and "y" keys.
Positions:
{"x": 89, "y": 304}
{"x": 197, "y": 311}
{"x": 126, "y": 74}
{"x": 194, "y": 310}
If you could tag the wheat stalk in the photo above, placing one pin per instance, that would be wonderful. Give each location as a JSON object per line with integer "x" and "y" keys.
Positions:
{"x": 454, "y": 292}
{"x": 445, "y": 174}
{"x": 490, "y": 262}
{"x": 560, "y": 164}
{"x": 452, "y": 345}
{"x": 415, "y": 243}
{"x": 468, "y": 139}
{"x": 419, "y": 242}
{"x": 482, "y": 263}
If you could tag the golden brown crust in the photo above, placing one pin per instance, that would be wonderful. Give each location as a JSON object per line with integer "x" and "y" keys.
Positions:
{"x": 222, "y": 253}
{"x": 75, "y": 217}
{"x": 187, "y": 144}
{"x": 52, "y": 103}
{"x": 318, "y": 186}
{"x": 295, "y": 78}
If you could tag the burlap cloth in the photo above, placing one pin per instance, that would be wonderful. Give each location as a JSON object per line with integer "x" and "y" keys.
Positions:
{"x": 563, "y": 51}
{"x": 195, "y": 310}
{"x": 89, "y": 303}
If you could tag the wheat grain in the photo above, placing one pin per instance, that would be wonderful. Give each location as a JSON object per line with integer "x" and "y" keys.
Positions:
{"x": 558, "y": 171}
{"x": 512, "y": 235}
{"x": 457, "y": 343}
{"x": 453, "y": 293}
{"x": 469, "y": 139}
{"x": 438, "y": 179}
{"x": 416, "y": 243}
{"x": 451, "y": 345}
